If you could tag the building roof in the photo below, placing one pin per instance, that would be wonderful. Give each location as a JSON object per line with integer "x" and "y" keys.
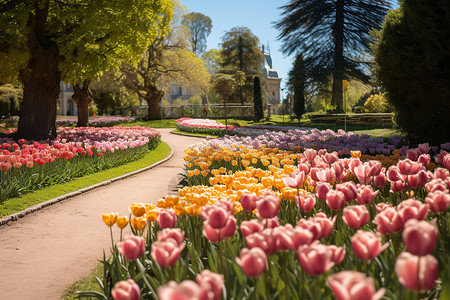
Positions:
{"x": 266, "y": 65}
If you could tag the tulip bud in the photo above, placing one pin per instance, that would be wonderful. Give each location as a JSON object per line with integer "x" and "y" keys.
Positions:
{"x": 126, "y": 290}
{"x": 132, "y": 247}
{"x": 412, "y": 276}
{"x": 252, "y": 261}
{"x": 420, "y": 237}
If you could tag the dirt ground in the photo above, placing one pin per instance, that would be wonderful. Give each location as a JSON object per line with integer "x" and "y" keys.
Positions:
{"x": 43, "y": 253}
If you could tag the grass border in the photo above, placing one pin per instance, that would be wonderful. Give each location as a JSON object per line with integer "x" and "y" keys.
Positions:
{"x": 15, "y": 208}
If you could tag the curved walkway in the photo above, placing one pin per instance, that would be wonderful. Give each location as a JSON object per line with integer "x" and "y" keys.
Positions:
{"x": 43, "y": 253}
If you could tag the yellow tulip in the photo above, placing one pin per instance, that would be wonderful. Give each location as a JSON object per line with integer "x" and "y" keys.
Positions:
{"x": 234, "y": 163}
{"x": 122, "y": 222}
{"x": 205, "y": 173}
{"x": 223, "y": 170}
{"x": 138, "y": 223}
{"x": 189, "y": 173}
{"x": 110, "y": 219}
{"x": 196, "y": 172}
{"x": 138, "y": 209}
{"x": 355, "y": 154}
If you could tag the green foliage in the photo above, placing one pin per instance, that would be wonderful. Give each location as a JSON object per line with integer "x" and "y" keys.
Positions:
{"x": 413, "y": 57}
{"x": 198, "y": 27}
{"x": 224, "y": 85}
{"x": 377, "y": 103}
{"x": 257, "y": 99}
{"x": 10, "y": 99}
{"x": 296, "y": 82}
{"x": 213, "y": 60}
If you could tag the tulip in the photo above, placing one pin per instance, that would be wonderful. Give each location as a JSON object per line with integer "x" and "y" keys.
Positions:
{"x": 110, "y": 219}
{"x": 397, "y": 186}
{"x": 380, "y": 179}
{"x": 252, "y": 261}
{"x": 293, "y": 237}
{"x": 271, "y": 223}
{"x": 312, "y": 226}
{"x": 420, "y": 237}
{"x": 132, "y": 247}
{"x": 252, "y": 226}
{"x": 306, "y": 202}
{"x": 388, "y": 221}
{"x": 436, "y": 185}
{"x": 352, "y": 285}
{"x": 138, "y": 209}
{"x": 265, "y": 240}
{"x": 326, "y": 175}
{"x": 365, "y": 194}
{"x": 417, "y": 277}
{"x": 166, "y": 218}
{"x": 382, "y": 206}
{"x": 268, "y": 205}
{"x": 394, "y": 174}
{"x": 441, "y": 173}
{"x": 349, "y": 189}
{"x": 138, "y": 223}
{"x": 248, "y": 201}
{"x": 166, "y": 252}
{"x": 186, "y": 290}
{"x": 409, "y": 167}
{"x": 310, "y": 154}
{"x": 295, "y": 180}
{"x": 122, "y": 222}
{"x": 438, "y": 201}
{"x": 367, "y": 245}
{"x": 424, "y": 159}
{"x": 337, "y": 253}
{"x": 211, "y": 282}
{"x": 126, "y": 290}
{"x": 315, "y": 259}
{"x": 326, "y": 224}
{"x": 363, "y": 173}
{"x": 412, "y": 209}
{"x": 335, "y": 200}
{"x": 446, "y": 161}
{"x": 322, "y": 189}
{"x": 356, "y": 216}
{"x": 417, "y": 180}
{"x": 219, "y": 234}
{"x": 218, "y": 217}
{"x": 172, "y": 233}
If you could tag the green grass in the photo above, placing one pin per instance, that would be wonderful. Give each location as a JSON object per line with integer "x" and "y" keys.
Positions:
{"x": 194, "y": 134}
{"x": 14, "y": 205}
{"x": 88, "y": 283}
{"x": 381, "y": 132}
{"x": 165, "y": 123}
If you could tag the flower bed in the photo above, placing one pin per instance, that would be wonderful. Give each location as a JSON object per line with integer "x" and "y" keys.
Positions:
{"x": 206, "y": 126}
{"x": 28, "y": 166}
{"x": 264, "y": 223}
{"x": 96, "y": 121}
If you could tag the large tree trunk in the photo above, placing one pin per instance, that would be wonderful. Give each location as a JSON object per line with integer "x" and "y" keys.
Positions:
{"x": 153, "y": 99}
{"x": 339, "y": 66}
{"x": 41, "y": 81}
{"x": 82, "y": 97}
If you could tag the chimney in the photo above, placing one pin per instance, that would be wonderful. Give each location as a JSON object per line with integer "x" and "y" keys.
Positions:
{"x": 263, "y": 49}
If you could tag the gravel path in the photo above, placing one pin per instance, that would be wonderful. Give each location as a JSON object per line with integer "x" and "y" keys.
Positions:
{"x": 43, "y": 253}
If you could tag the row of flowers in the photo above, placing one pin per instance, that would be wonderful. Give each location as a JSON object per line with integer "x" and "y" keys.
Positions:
{"x": 27, "y": 166}
{"x": 205, "y": 126}
{"x": 287, "y": 230}
{"x": 96, "y": 121}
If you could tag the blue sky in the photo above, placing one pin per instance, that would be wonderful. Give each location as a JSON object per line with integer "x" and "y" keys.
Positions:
{"x": 258, "y": 15}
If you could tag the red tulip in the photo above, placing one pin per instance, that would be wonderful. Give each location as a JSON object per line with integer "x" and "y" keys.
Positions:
{"x": 397, "y": 186}
{"x": 166, "y": 252}
{"x": 412, "y": 209}
{"x": 312, "y": 226}
{"x": 446, "y": 161}
{"x": 293, "y": 237}
{"x": 349, "y": 189}
{"x": 315, "y": 259}
{"x": 126, "y": 290}
{"x": 268, "y": 205}
{"x": 335, "y": 200}
{"x": 380, "y": 179}
{"x": 415, "y": 277}
{"x": 352, "y": 285}
{"x": 365, "y": 194}
{"x": 420, "y": 237}
{"x": 166, "y": 218}
{"x": 252, "y": 226}
{"x": 218, "y": 217}
{"x": 271, "y": 223}
{"x": 382, "y": 206}
{"x": 356, "y": 216}
{"x": 132, "y": 247}
{"x": 306, "y": 202}
{"x": 248, "y": 201}
{"x": 367, "y": 245}
{"x": 211, "y": 282}
{"x": 337, "y": 254}
{"x": 438, "y": 201}
{"x": 388, "y": 221}
{"x": 219, "y": 234}
{"x": 252, "y": 261}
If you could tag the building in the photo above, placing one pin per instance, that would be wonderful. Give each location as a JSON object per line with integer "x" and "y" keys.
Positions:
{"x": 66, "y": 106}
{"x": 273, "y": 82}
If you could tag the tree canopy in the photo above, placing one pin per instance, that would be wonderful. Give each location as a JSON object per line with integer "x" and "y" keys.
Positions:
{"x": 296, "y": 83}
{"x": 198, "y": 28}
{"x": 333, "y": 37}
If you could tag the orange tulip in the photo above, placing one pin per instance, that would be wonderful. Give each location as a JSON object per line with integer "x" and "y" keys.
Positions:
{"x": 122, "y": 222}
{"x": 137, "y": 209}
{"x": 151, "y": 215}
{"x": 138, "y": 223}
{"x": 110, "y": 219}
{"x": 355, "y": 154}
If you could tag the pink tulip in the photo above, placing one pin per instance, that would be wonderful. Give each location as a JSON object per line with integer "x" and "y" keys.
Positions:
{"x": 337, "y": 254}
{"x": 265, "y": 240}
{"x": 412, "y": 209}
{"x": 172, "y": 233}
{"x": 211, "y": 282}
{"x": 293, "y": 237}
{"x": 436, "y": 185}
{"x": 252, "y": 261}
{"x": 166, "y": 252}
{"x": 295, "y": 180}
{"x": 252, "y": 226}
{"x": 126, "y": 290}
{"x": 382, "y": 206}
{"x": 397, "y": 186}
{"x": 218, "y": 217}
{"x": 440, "y": 157}
{"x": 352, "y": 285}
{"x": 310, "y": 154}
{"x": 335, "y": 200}
{"x": 219, "y": 234}
{"x": 423, "y": 148}
{"x": 409, "y": 167}
{"x": 365, "y": 194}
{"x": 268, "y": 205}
{"x": 166, "y": 218}
{"x": 393, "y": 174}
{"x": 186, "y": 290}
{"x": 424, "y": 159}
{"x": 248, "y": 201}
{"x": 420, "y": 237}
{"x": 326, "y": 175}
{"x": 363, "y": 173}
{"x": 356, "y": 216}
{"x": 446, "y": 161}
{"x": 388, "y": 221}
{"x": 417, "y": 180}
{"x": 312, "y": 226}
{"x": 306, "y": 202}
{"x": 407, "y": 268}
{"x": 349, "y": 189}
{"x": 322, "y": 189}
{"x": 441, "y": 173}
{"x": 315, "y": 259}
{"x": 367, "y": 245}
{"x": 412, "y": 154}
{"x": 132, "y": 247}
{"x": 438, "y": 201}
{"x": 380, "y": 179}
{"x": 271, "y": 223}
{"x": 326, "y": 224}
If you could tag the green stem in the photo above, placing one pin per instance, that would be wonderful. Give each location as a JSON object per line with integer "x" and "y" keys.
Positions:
{"x": 112, "y": 239}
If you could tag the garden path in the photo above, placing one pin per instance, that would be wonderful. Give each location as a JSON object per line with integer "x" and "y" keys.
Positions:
{"x": 43, "y": 253}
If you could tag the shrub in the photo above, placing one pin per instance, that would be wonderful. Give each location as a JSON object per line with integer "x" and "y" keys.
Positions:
{"x": 377, "y": 103}
{"x": 10, "y": 99}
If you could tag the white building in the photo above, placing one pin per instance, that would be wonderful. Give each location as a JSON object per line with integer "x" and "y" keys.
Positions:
{"x": 273, "y": 82}
{"x": 66, "y": 106}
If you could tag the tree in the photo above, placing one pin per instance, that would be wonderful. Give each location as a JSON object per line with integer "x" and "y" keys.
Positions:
{"x": 257, "y": 99}
{"x": 49, "y": 41}
{"x": 240, "y": 51}
{"x": 198, "y": 27}
{"x": 166, "y": 61}
{"x": 296, "y": 83}
{"x": 333, "y": 37}
{"x": 213, "y": 60}
{"x": 413, "y": 57}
